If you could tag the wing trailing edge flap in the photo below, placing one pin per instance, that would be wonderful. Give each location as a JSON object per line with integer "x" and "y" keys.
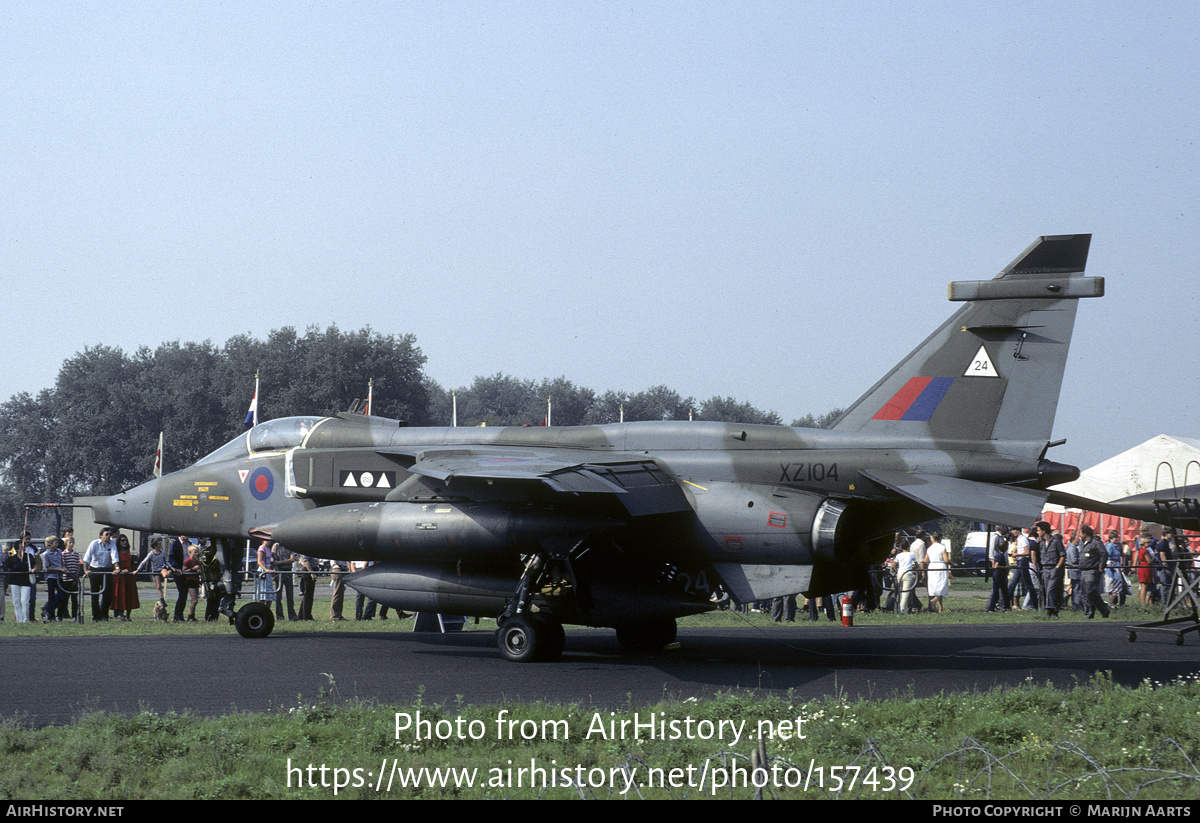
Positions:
{"x": 640, "y": 486}
{"x": 956, "y": 497}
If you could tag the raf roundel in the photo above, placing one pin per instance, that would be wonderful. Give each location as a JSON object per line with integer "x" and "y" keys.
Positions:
{"x": 261, "y": 483}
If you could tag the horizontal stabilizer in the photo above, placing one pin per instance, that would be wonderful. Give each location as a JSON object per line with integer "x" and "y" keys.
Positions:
{"x": 1079, "y": 287}
{"x": 954, "y": 497}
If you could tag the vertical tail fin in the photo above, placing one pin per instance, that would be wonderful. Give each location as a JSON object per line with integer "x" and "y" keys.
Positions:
{"x": 994, "y": 369}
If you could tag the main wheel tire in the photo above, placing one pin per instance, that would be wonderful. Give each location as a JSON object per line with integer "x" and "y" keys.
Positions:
{"x": 649, "y": 636}
{"x": 521, "y": 638}
{"x": 254, "y": 620}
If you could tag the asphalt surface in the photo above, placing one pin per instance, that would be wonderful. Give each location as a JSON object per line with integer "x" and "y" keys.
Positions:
{"x": 53, "y": 680}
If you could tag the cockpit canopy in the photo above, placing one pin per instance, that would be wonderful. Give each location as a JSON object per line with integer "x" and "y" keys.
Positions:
{"x": 273, "y": 435}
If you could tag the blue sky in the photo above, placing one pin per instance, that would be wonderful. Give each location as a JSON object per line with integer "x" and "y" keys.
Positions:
{"x": 751, "y": 199}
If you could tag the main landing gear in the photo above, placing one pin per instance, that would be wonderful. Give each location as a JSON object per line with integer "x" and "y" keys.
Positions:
{"x": 528, "y": 638}
{"x": 524, "y": 636}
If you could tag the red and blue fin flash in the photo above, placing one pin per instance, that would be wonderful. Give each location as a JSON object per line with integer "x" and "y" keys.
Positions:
{"x": 916, "y": 400}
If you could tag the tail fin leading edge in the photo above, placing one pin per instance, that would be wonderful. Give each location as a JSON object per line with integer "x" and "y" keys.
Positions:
{"x": 994, "y": 369}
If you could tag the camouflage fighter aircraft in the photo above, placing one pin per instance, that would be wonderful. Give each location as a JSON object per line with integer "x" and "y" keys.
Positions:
{"x": 633, "y": 525}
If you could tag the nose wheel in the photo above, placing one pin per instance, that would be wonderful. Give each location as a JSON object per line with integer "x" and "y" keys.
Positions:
{"x": 254, "y": 620}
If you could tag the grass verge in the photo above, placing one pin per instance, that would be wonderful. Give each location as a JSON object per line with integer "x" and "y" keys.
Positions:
{"x": 1095, "y": 741}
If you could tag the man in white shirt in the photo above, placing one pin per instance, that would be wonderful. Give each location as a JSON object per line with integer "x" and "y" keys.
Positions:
{"x": 101, "y": 556}
{"x": 1026, "y": 572}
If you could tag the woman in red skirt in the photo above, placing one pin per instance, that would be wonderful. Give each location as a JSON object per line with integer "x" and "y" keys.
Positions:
{"x": 124, "y": 582}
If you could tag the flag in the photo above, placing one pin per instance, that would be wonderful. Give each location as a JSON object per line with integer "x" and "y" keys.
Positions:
{"x": 158, "y": 457}
{"x": 252, "y": 413}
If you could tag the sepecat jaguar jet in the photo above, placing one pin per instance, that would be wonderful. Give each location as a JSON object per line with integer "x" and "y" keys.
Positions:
{"x": 633, "y": 525}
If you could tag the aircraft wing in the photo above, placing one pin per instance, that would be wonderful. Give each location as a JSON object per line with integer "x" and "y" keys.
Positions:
{"x": 496, "y": 464}
{"x": 638, "y": 484}
{"x": 955, "y": 497}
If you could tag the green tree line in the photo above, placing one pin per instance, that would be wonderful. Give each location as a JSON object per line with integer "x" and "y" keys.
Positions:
{"x": 95, "y": 431}
{"x": 502, "y": 400}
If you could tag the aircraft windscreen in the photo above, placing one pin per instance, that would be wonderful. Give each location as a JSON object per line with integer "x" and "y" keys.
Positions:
{"x": 274, "y": 435}
{"x": 284, "y": 433}
{"x": 234, "y": 448}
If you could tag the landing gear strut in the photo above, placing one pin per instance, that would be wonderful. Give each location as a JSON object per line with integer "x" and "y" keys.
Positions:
{"x": 217, "y": 583}
{"x": 252, "y": 620}
{"x": 523, "y": 636}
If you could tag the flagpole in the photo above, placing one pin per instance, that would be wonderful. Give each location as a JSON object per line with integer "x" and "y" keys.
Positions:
{"x": 370, "y": 393}
{"x": 454, "y": 409}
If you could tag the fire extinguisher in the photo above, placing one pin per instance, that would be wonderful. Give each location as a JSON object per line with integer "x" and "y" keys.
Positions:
{"x": 847, "y": 612}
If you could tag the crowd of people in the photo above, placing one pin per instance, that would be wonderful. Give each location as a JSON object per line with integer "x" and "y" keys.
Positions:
{"x": 58, "y": 566}
{"x": 1031, "y": 570}
{"x": 1038, "y": 569}
{"x": 278, "y": 573}
{"x": 107, "y": 574}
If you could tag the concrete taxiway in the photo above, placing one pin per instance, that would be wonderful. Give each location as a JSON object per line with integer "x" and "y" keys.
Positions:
{"x": 51, "y": 680}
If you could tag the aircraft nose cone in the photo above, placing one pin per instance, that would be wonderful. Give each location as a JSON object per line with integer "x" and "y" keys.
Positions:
{"x": 132, "y": 509}
{"x": 104, "y": 510}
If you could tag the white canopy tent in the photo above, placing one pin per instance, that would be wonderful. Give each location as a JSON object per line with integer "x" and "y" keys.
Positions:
{"x": 1161, "y": 463}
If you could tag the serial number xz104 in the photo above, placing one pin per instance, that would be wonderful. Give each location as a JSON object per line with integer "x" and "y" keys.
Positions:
{"x": 807, "y": 472}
